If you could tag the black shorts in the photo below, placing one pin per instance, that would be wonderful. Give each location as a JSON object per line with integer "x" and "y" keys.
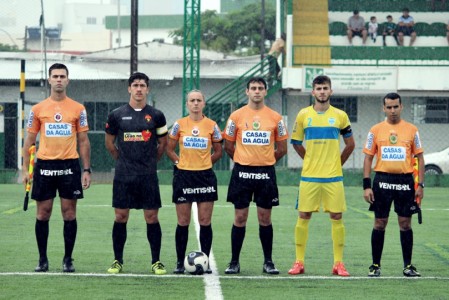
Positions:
{"x": 63, "y": 176}
{"x": 136, "y": 191}
{"x": 194, "y": 186}
{"x": 397, "y": 188}
{"x": 357, "y": 33}
{"x": 247, "y": 181}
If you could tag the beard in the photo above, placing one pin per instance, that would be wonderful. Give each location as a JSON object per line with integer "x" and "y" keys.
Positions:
{"x": 322, "y": 101}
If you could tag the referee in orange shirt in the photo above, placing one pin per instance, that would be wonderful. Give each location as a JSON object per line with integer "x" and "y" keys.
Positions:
{"x": 255, "y": 138}
{"x": 394, "y": 142}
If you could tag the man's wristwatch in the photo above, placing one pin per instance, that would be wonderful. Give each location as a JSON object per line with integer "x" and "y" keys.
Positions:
{"x": 88, "y": 170}
{"x": 421, "y": 184}
{"x": 176, "y": 162}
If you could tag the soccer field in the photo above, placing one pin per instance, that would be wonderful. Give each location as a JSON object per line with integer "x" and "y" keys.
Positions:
{"x": 93, "y": 253}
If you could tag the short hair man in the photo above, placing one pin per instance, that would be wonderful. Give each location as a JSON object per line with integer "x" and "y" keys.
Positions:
{"x": 136, "y": 139}
{"x": 62, "y": 125}
{"x": 356, "y": 27}
{"x": 316, "y": 139}
{"x": 406, "y": 27}
{"x": 255, "y": 138}
{"x": 394, "y": 142}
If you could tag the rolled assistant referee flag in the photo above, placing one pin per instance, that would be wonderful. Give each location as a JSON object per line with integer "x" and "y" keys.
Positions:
{"x": 416, "y": 180}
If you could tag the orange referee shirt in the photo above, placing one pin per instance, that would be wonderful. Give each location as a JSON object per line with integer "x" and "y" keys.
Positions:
{"x": 255, "y": 132}
{"x": 394, "y": 146}
{"x": 58, "y": 123}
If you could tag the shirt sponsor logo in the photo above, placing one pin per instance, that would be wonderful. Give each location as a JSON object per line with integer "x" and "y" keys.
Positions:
{"x": 133, "y": 137}
{"x": 83, "y": 119}
{"x": 282, "y": 130}
{"x": 393, "y": 153}
{"x": 175, "y": 129}
{"x": 394, "y": 186}
{"x": 417, "y": 141}
{"x": 127, "y": 118}
{"x": 369, "y": 141}
{"x": 56, "y": 172}
{"x": 230, "y": 128}
{"x": 217, "y": 133}
{"x": 30, "y": 119}
{"x": 192, "y": 142}
{"x": 258, "y": 176}
{"x": 259, "y": 138}
{"x": 202, "y": 190}
{"x": 58, "y": 129}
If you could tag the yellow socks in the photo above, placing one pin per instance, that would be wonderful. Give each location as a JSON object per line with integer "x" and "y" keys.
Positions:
{"x": 301, "y": 236}
{"x": 338, "y": 239}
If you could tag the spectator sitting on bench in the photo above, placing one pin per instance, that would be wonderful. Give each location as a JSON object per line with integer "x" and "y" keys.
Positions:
{"x": 406, "y": 27}
{"x": 389, "y": 29}
{"x": 356, "y": 26}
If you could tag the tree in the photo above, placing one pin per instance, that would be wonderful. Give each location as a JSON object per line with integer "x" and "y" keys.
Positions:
{"x": 234, "y": 31}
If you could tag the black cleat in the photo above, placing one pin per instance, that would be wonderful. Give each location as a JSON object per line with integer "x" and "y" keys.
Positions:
{"x": 374, "y": 270}
{"x": 179, "y": 268}
{"x": 269, "y": 268}
{"x": 410, "y": 271}
{"x": 208, "y": 270}
{"x": 42, "y": 266}
{"x": 233, "y": 268}
{"x": 67, "y": 265}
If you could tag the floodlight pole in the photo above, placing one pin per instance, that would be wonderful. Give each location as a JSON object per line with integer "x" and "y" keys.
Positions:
{"x": 43, "y": 50}
{"x": 134, "y": 31}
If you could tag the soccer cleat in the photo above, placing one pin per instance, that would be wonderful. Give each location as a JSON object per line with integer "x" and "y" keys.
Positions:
{"x": 298, "y": 268}
{"x": 179, "y": 268}
{"x": 158, "y": 268}
{"x": 233, "y": 268}
{"x": 410, "y": 271}
{"x": 42, "y": 265}
{"x": 340, "y": 270}
{"x": 374, "y": 270}
{"x": 269, "y": 268}
{"x": 116, "y": 267}
{"x": 67, "y": 265}
{"x": 208, "y": 270}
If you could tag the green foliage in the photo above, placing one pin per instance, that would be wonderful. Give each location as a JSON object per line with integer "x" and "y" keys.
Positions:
{"x": 234, "y": 31}
{"x": 8, "y": 48}
{"x": 93, "y": 253}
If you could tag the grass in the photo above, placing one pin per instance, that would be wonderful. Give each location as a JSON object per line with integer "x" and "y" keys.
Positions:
{"x": 93, "y": 253}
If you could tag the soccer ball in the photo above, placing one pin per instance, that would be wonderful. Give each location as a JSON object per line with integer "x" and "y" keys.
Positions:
{"x": 196, "y": 262}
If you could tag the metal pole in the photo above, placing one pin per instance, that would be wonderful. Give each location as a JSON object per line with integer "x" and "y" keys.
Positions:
{"x": 134, "y": 31}
{"x": 119, "y": 36}
{"x": 262, "y": 31}
{"x": 43, "y": 50}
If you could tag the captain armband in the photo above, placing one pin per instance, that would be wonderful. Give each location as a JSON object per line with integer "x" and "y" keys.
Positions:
{"x": 366, "y": 183}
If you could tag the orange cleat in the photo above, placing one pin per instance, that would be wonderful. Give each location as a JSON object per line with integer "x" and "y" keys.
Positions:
{"x": 340, "y": 270}
{"x": 298, "y": 268}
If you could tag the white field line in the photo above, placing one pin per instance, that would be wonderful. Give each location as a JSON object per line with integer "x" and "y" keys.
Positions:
{"x": 224, "y": 277}
{"x": 212, "y": 287}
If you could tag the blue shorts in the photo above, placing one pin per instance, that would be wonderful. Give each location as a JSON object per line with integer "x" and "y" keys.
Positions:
{"x": 249, "y": 181}
{"x": 63, "y": 176}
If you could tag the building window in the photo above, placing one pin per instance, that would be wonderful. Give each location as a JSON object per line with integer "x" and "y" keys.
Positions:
{"x": 437, "y": 110}
{"x": 347, "y": 104}
{"x": 91, "y": 21}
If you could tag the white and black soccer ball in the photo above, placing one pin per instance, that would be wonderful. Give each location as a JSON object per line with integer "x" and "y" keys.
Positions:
{"x": 196, "y": 262}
